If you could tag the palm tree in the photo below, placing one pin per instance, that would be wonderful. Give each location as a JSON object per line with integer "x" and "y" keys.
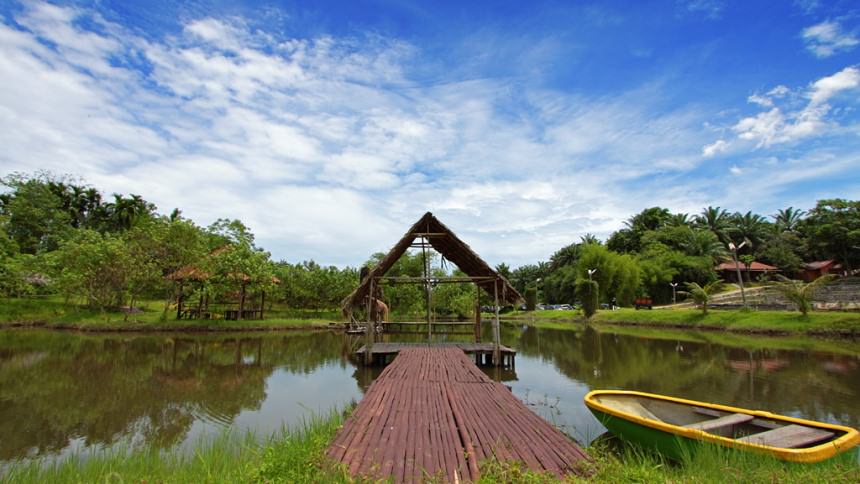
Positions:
{"x": 702, "y": 295}
{"x": 566, "y": 256}
{"x": 702, "y": 243}
{"x": 678, "y": 220}
{"x": 716, "y": 220}
{"x": 799, "y": 292}
{"x": 788, "y": 219}
{"x": 589, "y": 239}
{"x": 749, "y": 226}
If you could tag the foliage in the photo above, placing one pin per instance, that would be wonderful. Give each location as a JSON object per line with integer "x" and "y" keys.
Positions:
{"x": 800, "y": 293}
{"x": 531, "y": 298}
{"x": 702, "y": 294}
{"x": 833, "y": 230}
{"x": 587, "y": 291}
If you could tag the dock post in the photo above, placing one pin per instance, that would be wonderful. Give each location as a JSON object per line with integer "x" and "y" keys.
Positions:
{"x": 370, "y": 329}
{"x": 496, "y": 335}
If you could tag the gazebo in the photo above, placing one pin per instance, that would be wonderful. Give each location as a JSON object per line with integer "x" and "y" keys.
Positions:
{"x": 426, "y": 234}
{"x": 193, "y": 275}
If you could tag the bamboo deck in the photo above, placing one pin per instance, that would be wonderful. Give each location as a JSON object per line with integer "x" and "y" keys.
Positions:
{"x": 433, "y": 414}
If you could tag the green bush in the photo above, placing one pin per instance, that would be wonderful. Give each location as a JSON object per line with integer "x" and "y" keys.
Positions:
{"x": 531, "y": 298}
{"x": 587, "y": 291}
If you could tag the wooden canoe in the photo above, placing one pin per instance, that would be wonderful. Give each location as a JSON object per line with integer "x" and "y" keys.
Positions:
{"x": 671, "y": 424}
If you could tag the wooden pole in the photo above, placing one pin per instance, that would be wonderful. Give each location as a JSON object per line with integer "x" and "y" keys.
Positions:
{"x": 426, "y": 288}
{"x": 369, "y": 329}
{"x": 477, "y": 314}
{"x": 262, "y": 302}
{"x": 497, "y": 350}
{"x": 179, "y": 302}
{"x": 242, "y": 302}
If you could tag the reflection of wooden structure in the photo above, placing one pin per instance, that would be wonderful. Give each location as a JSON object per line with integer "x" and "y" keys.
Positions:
{"x": 193, "y": 276}
{"x": 426, "y": 234}
{"x": 432, "y": 415}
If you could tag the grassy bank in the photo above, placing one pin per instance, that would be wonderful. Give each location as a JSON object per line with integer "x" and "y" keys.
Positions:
{"x": 710, "y": 465}
{"x": 741, "y": 321}
{"x": 53, "y": 312}
{"x": 297, "y": 455}
{"x": 291, "y": 455}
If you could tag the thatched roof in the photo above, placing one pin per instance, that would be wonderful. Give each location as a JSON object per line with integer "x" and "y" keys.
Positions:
{"x": 444, "y": 241}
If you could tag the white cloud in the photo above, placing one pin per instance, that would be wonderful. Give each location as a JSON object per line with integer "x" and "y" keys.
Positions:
{"x": 777, "y": 126}
{"x": 712, "y": 9}
{"x": 329, "y": 147}
{"x": 735, "y": 170}
{"x": 827, "y": 38}
{"x": 714, "y": 148}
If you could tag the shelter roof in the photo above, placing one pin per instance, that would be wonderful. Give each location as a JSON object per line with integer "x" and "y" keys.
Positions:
{"x": 444, "y": 241}
{"x": 818, "y": 265}
{"x": 754, "y": 267}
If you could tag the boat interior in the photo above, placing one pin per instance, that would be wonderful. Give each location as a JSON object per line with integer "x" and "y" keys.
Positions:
{"x": 741, "y": 427}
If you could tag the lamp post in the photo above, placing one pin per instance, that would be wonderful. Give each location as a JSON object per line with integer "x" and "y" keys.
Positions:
{"x": 674, "y": 285}
{"x": 591, "y": 272}
{"x": 735, "y": 248}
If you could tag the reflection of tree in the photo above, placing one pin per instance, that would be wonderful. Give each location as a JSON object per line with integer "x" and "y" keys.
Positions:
{"x": 821, "y": 386}
{"x": 55, "y": 387}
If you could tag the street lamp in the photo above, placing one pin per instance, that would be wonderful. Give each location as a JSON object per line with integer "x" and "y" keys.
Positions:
{"x": 674, "y": 285}
{"x": 591, "y": 272}
{"x": 735, "y": 249}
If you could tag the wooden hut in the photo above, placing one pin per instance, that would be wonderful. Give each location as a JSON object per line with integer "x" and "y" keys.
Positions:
{"x": 430, "y": 233}
{"x": 202, "y": 309}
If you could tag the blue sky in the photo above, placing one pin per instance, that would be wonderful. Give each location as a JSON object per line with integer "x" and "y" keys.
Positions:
{"x": 329, "y": 127}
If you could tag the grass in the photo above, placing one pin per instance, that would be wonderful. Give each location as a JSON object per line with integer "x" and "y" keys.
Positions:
{"x": 709, "y": 464}
{"x": 53, "y": 312}
{"x": 742, "y": 321}
{"x": 297, "y": 455}
{"x": 291, "y": 455}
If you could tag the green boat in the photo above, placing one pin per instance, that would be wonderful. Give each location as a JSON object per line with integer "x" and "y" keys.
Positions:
{"x": 674, "y": 426}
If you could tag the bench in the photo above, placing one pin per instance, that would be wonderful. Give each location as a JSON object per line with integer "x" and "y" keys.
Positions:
{"x": 788, "y": 437}
{"x": 724, "y": 421}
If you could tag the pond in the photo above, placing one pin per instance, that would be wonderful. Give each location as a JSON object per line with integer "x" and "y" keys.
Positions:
{"x": 63, "y": 392}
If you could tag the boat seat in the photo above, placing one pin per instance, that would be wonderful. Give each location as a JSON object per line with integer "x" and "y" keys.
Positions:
{"x": 788, "y": 437}
{"x": 725, "y": 421}
{"x": 635, "y": 408}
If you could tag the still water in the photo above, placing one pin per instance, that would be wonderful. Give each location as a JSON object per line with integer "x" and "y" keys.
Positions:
{"x": 63, "y": 393}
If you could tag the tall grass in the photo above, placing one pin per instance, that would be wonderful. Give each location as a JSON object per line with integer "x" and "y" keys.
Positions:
{"x": 289, "y": 455}
{"x": 710, "y": 464}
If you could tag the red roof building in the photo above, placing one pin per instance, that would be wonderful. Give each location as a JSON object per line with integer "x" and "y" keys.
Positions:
{"x": 813, "y": 270}
{"x": 728, "y": 272}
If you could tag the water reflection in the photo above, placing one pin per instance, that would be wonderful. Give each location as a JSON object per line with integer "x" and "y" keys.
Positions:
{"x": 64, "y": 391}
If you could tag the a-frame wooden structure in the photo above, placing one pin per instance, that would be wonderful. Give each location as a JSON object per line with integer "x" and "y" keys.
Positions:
{"x": 428, "y": 232}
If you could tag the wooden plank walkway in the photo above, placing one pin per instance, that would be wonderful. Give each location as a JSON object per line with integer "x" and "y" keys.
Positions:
{"x": 433, "y": 414}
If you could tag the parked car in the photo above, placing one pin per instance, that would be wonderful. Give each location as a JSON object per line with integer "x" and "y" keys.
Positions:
{"x": 565, "y": 307}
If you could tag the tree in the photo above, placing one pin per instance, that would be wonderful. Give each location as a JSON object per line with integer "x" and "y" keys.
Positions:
{"x": 702, "y": 294}
{"x": 749, "y": 227}
{"x": 784, "y": 250}
{"x": 93, "y": 266}
{"x": 36, "y": 219}
{"x": 589, "y": 239}
{"x": 587, "y": 291}
{"x": 531, "y": 297}
{"x": 747, "y": 260}
{"x": 799, "y": 292}
{"x": 788, "y": 219}
{"x": 716, "y": 220}
{"x": 833, "y": 230}
{"x": 566, "y": 256}
{"x": 504, "y": 270}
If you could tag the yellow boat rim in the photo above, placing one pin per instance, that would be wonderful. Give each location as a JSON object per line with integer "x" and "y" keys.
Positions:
{"x": 849, "y": 439}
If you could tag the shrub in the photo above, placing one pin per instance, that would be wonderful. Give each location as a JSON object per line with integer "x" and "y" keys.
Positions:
{"x": 587, "y": 291}
{"x": 531, "y": 298}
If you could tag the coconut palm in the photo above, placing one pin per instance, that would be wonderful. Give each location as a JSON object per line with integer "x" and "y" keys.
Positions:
{"x": 800, "y": 293}
{"x": 589, "y": 239}
{"x": 716, "y": 220}
{"x": 749, "y": 226}
{"x": 702, "y": 243}
{"x": 702, "y": 294}
{"x": 788, "y": 219}
{"x": 679, "y": 220}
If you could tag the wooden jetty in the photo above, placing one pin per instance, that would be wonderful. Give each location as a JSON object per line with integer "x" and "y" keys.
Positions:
{"x": 432, "y": 414}
{"x": 382, "y": 353}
